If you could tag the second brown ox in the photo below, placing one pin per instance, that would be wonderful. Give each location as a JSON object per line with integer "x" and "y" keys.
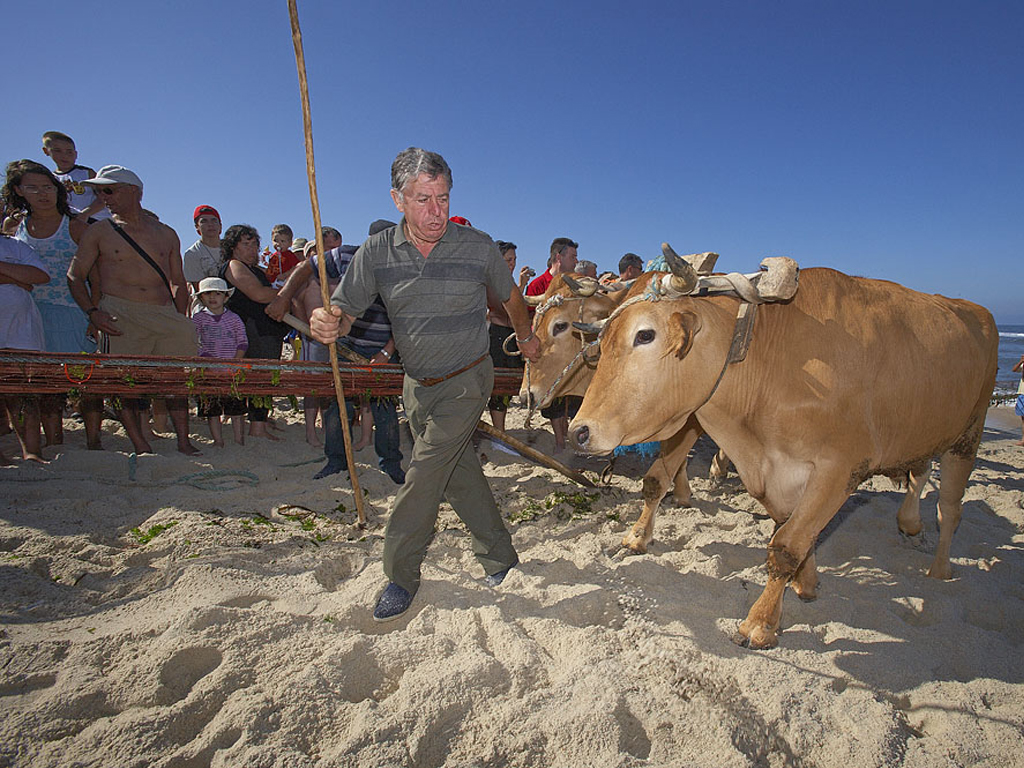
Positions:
{"x": 564, "y": 368}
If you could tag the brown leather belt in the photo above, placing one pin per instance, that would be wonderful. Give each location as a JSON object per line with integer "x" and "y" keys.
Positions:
{"x": 463, "y": 369}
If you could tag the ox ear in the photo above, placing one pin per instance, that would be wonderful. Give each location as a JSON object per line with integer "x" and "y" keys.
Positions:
{"x": 533, "y": 301}
{"x": 686, "y": 325}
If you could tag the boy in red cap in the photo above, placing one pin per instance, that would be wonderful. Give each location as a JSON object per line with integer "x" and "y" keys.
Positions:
{"x": 202, "y": 258}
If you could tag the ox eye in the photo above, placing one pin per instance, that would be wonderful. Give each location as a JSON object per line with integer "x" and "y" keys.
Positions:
{"x": 646, "y": 336}
{"x": 559, "y": 327}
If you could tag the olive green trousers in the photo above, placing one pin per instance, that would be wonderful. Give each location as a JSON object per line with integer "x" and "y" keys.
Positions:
{"x": 445, "y": 466}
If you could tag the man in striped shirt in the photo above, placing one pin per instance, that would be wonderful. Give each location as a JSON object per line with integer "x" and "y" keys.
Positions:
{"x": 369, "y": 336}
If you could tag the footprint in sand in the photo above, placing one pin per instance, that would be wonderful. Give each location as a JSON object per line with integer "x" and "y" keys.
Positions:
{"x": 183, "y": 670}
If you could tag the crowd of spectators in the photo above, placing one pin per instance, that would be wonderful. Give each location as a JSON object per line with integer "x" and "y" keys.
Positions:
{"x": 84, "y": 268}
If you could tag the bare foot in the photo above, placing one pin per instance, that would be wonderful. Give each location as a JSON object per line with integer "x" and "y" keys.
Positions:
{"x": 185, "y": 447}
{"x": 240, "y": 441}
{"x": 1019, "y": 442}
{"x": 218, "y": 443}
{"x": 257, "y": 429}
{"x": 34, "y": 457}
{"x": 313, "y": 440}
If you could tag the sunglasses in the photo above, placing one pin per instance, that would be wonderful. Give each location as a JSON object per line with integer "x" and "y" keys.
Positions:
{"x": 109, "y": 190}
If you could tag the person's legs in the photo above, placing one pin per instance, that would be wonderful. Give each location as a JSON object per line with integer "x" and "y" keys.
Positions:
{"x": 216, "y": 432}
{"x": 309, "y": 412}
{"x": 177, "y": 407}
{"x": 498, "y": 419}
{"x": 51, "y": 414}
{"x": 91, "y": 409}
{"x": 442, "y": 419}
{"x": 386, "y": 437}
{"x": 238, "y": 428}
{"x": 210, "y": 409}
{"x": 128, "y": 414}
{"x": 366, "y": 420}
{"x": 470, "y": 496}
{"x": 334, "y": 439}
{"x": 560, "y": 427}
{"x": 160, "y": 411}
{"x": 23, "y": 413}
{"x": 261, "y": 348}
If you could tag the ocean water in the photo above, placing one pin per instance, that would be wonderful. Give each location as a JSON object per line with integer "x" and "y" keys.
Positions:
{"x": 1011, "y": 347}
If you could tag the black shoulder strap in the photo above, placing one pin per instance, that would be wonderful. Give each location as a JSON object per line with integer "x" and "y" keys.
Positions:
{"x": 144, "y": 255}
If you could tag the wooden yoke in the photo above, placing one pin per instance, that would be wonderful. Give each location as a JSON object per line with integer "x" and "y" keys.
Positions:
{"x": 307, "y": 123}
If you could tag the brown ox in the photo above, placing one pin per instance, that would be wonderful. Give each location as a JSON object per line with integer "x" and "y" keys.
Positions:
{"x": 564, "y": 370}
{"x": 851, "y": 378}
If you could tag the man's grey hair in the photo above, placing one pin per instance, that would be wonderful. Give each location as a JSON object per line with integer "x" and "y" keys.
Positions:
{"x": 414, "y": 161}
{"x": 584, "y": 267}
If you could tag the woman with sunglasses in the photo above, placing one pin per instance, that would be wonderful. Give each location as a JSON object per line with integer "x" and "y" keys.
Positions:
{"x": 40, "y": 216}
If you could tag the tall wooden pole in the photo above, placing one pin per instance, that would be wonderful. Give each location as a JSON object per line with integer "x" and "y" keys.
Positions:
{"x": 307, "y": 123}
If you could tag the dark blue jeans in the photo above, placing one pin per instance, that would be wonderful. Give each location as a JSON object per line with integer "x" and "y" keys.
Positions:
{"x": 386, "y": 439}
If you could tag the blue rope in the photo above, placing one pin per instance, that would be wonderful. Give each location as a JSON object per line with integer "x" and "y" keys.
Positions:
{"x": 646, "y": 450}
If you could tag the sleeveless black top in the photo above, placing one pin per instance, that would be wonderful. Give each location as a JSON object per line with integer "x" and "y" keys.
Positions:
{"x": 247, "y": 309}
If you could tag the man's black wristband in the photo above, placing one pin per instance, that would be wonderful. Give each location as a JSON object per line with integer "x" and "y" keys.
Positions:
{"x": 90, "y": 310}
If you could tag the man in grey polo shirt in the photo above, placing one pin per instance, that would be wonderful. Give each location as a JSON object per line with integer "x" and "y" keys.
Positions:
{"x": 432, "y": 276}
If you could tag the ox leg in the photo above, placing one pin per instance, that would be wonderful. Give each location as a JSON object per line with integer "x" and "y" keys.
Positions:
{"x": 671, "y": 464}
{"x": 909, "y": 515}
{"x": 719, "y": 466}
{"x": 805, "y": 580}
{"x": 788, "y": 550}
{"x": 955, "y": 471}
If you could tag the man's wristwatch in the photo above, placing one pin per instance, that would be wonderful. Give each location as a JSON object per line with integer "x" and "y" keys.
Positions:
{"x": 386, "y": 353}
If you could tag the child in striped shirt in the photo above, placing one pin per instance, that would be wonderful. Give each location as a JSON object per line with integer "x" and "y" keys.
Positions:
{"x": 221, "y": 334}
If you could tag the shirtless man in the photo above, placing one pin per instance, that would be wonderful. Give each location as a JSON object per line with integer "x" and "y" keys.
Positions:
{"x": 139, "y": 310}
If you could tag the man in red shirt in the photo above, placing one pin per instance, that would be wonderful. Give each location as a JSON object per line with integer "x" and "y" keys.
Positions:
{"x": 562, "y": 259}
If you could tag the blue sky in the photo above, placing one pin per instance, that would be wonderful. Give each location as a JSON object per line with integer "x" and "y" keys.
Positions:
{"x": 879, "y": 138}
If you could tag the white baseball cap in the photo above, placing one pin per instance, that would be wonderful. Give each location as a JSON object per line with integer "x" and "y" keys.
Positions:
{"x": 115, "y": 174}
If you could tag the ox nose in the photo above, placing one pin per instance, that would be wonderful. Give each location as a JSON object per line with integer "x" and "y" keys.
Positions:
{"x": 580, "y": 436}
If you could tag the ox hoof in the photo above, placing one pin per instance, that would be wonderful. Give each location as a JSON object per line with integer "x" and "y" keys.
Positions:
{"x": 682, "y": 499}
{"x": 911, "y": 530}
{"x": 757, "y": 638}
{"x": 807, "y": 588}
{"x": 944, "y": 571}
{"x": 914, "y": 540}
{"x": 635, "y": 545}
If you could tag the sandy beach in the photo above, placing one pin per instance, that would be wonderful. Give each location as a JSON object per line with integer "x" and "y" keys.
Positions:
{"x": 215, "y": 611}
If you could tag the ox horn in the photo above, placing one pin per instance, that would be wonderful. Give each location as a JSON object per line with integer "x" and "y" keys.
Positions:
{"x": 591, "y": 328}
{"x": 533, "y": 301}
{"x": 582, "y": 288}
{"x": 684, "y": 276}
